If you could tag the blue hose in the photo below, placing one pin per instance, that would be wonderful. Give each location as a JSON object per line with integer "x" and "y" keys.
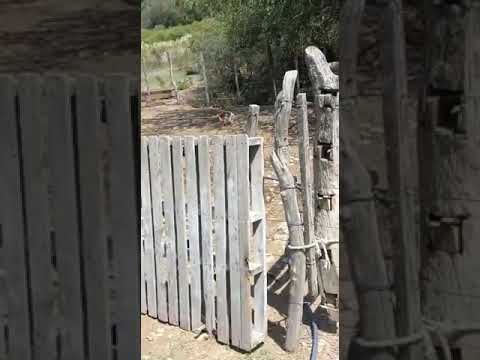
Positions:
{"x": 314, "y": 330}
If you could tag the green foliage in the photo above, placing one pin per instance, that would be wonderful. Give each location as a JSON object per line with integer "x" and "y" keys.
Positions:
{"x": 157, "y": 35}
{"x": 168, "y": 13}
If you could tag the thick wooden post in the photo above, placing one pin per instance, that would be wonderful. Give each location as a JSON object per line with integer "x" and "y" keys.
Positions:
{"x": 400, "y": 177}
{"x": 359, "y": 221}
{"x": 326, "y": 163}
{"x": 308, "y": 192}
{"x": 280, "y": 161}
{"x": 252, "y": 122}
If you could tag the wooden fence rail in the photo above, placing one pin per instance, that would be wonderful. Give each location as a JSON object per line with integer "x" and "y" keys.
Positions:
{"x": 203, "y": 236}
{"x": 68, "y": 220}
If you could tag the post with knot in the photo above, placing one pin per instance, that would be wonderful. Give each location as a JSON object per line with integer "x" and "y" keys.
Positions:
{"x": 252, "y": 122}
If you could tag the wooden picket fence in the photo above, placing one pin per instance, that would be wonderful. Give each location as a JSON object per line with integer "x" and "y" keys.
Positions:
{"x": 203, "y": 236}
{"x": 69, "y": 254}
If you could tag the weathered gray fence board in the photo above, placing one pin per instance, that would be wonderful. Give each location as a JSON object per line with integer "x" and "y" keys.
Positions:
{"x": 218, "y": 170}
{"x": 233, "y": 239}
{"x": 161, "y": 266}
{"x": 94, "y": 236}
{"x": 206, "y": 232}
{"x": 64, "y": 216}
{"x": 14, "y": 292}
{"x": 259, "y": 240}
{"x": 124, "y": 217}
{"x": 191, "y": 183}
{"x": 147, "y": 233}
{"x": 34, "y": 151}
{"x": 181, "y": 239}
{"x": 58, "y": 282}
{"x": 244, "y": 226}
{"x": 167, "y": 191}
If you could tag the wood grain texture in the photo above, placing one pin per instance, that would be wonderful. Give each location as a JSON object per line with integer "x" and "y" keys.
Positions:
{"x": 34, "y": 130}
{"x": 220, "y": 230}
{"x": 161, "y": 265}
{"x": 125, "y": 216}
{"x": 94, "y": 231}
{"x": 180, "y": 230}
{"x": 13, "y": 283}
{"x": 147, "y": 232}
{"x": 305, "y": 155}
{"x": 165, "y": 151}
{"x": 206, "y": 232}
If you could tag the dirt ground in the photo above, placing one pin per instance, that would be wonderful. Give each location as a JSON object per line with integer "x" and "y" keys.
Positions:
{"x": 164, "y": 342}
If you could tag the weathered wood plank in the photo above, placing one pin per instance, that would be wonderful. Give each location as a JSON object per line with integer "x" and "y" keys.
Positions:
{"x": 206, "y": 232}
{"x": 125, "y": 231}
{"x": 147, "y": 232}
{"x": 191, "y": 189}
{"x": 34, "y": 151}
{"x": 64, "y": 215}
{"x": 161, "y": 266}
{"x": 244, "y": 229}
{"x": 308, "y": 193}
{"x": 167, "y": 194}
{"x": 252, "y": 122}
{"x": 259, "y": 241}
{"x": 179, "y": 193}
{"x": 15, "y": 288}
{"x": 94, "y": 236}
{"x": 219, "y": 220}
{"x": 234, "y": 259}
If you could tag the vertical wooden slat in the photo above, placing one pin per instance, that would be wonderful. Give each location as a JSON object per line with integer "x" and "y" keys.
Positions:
{"x": 33, "y": 139}
{"x": 258, "y": 205}
{"x": 64, "y": 215}
{"x": 179, "y": 193}
{"x": 244, "y": 239}
{"x": 167, "y": 190}
{"x": 191, "y": 188}
{"x": 94, "y": 236}
{"x": 158, "y": 229}
{"x": 308, "y": 192}
{"x": 15, "y": 291}
{"x": 123, "y": 195}
{"x": 206, "y": 232}
{"x": 147, "y": 233}
{"x": 232, "y": 215}
{"x": 218, "y": 169}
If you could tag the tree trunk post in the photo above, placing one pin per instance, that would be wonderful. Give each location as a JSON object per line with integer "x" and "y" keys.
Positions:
{"x": 205, "y": 79}
{"x": 252, "y": 122}
{"x": 358, "y": 218}
{"x": 280, "y": 161}
{"x": 326, "y": 164}
{"x": 172, "y": 79}
{"x": 308, "y": 193}
{"x": 297, "y": 256}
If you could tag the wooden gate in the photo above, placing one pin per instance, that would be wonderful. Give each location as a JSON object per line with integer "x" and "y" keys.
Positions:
{"x": 203, "y": 236}
{"x": 68, "y": 220}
